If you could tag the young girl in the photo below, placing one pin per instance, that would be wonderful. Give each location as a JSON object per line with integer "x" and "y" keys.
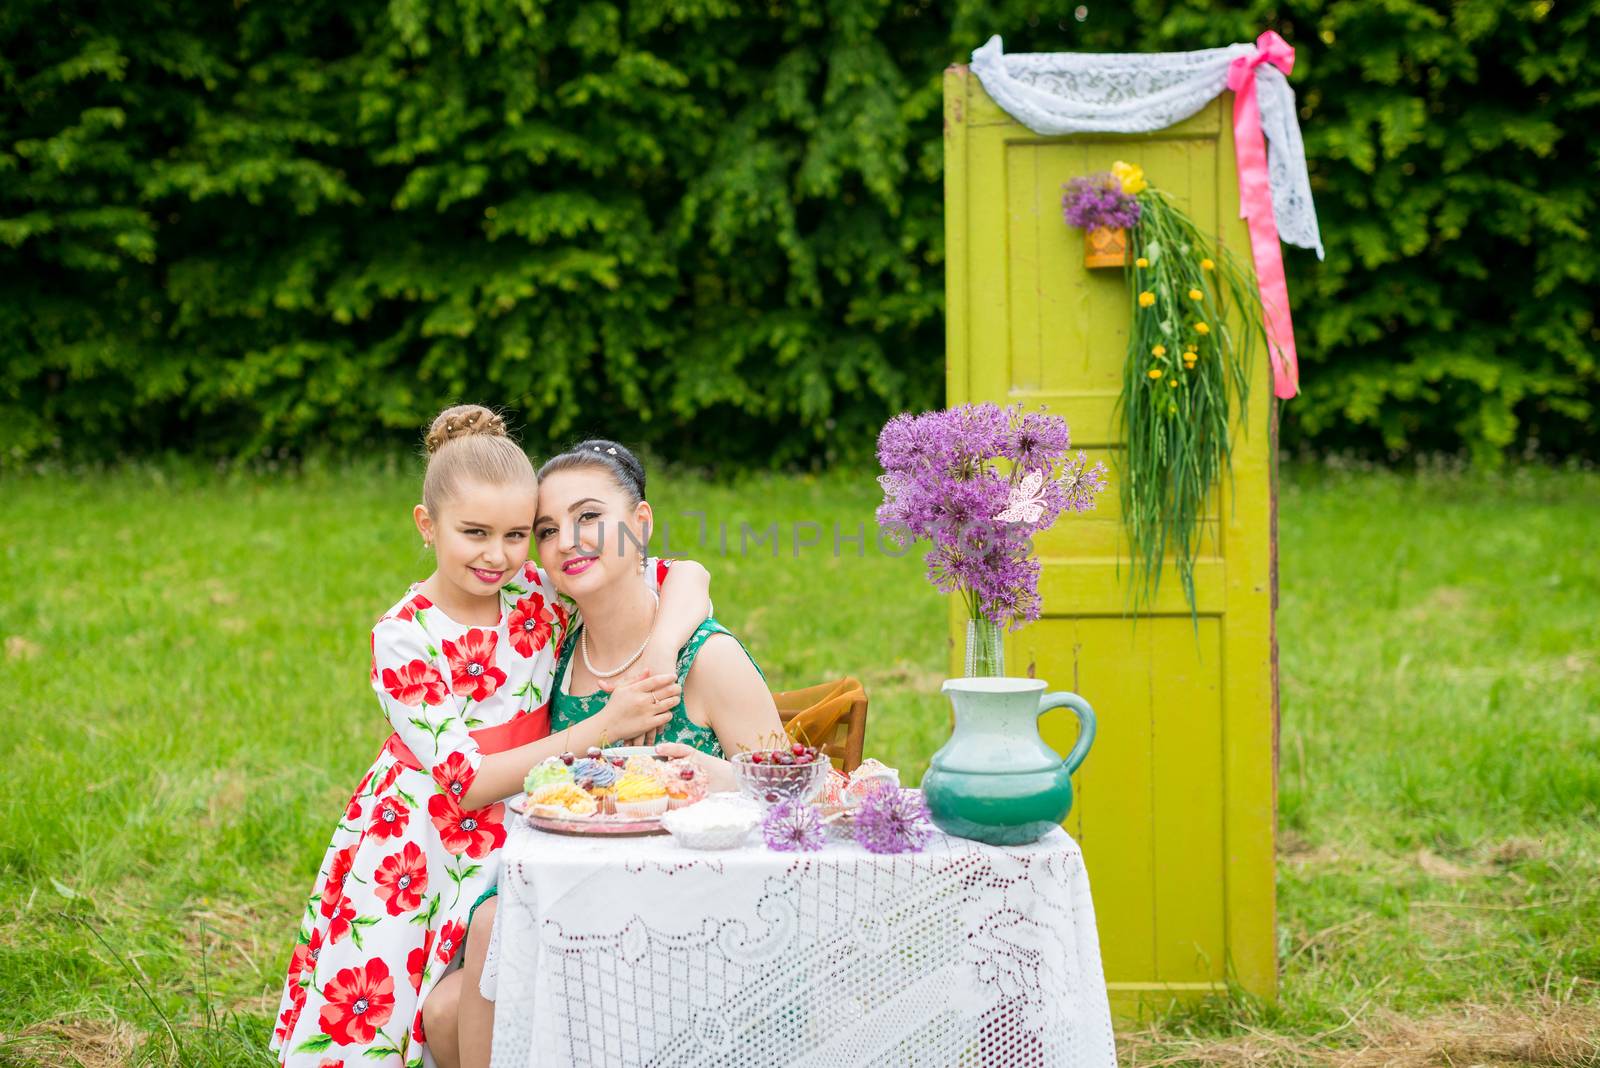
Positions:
{"x": 591, "y": 498}
{"x": 462, "y": 667}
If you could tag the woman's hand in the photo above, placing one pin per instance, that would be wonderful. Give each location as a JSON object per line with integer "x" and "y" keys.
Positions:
{"x": 642, "y": 705}
{"x": 718, "y": 772}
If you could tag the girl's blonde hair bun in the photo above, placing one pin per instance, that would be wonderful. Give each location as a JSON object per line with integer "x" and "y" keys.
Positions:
{"x": 463, "y": 421}
{"x": 470, "y": 443}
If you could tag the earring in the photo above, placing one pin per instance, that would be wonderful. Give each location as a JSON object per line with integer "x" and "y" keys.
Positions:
{"x": 641, "y": 563}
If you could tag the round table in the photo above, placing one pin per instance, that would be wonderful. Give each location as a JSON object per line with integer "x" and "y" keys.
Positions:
{"x": 636, "y": 951}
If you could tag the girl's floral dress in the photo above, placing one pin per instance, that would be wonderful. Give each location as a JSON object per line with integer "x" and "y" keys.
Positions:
{"x": 388, "y": 912}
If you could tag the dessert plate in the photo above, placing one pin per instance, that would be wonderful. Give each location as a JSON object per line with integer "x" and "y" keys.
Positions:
{"x": 589, "y": 826}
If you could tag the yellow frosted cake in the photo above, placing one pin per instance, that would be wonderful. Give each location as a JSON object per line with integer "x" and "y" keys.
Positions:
{"x": 640, "y": 795}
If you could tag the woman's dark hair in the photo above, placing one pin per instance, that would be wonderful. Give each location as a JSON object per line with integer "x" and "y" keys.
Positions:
{"x": 617, "y": 460}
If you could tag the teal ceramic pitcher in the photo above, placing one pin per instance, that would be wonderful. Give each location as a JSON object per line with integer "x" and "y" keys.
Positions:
{"x": 995, "y": 780}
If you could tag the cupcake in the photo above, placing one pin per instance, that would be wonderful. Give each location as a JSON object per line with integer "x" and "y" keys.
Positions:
{"x": 560, "y": 800}
{"x": 587, "y": 767}
{"x": 832, "y": 795}
{"x": 643, "y": 765}
{"x": 547, "y": 772}
{"x": 640, "y": 795}
{"x": 600, "y": 779}
{"x": 684, "y": 783}
{"x": 867, "y": 778}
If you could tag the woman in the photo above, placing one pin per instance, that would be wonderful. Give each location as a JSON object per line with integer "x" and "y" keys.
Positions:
{"x": 590, "y": 531}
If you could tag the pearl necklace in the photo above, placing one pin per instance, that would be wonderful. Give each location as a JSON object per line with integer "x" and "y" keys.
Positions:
{"x": 583, "y": 646}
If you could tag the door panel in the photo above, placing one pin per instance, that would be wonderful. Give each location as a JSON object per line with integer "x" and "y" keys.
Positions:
{"x": 1174, "y": 807}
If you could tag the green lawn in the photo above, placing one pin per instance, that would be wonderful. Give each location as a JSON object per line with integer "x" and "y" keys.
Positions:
{"x": 184, "y": 668}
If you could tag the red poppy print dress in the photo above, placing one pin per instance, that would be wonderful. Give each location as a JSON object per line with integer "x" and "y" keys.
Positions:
{"x": 387, "y": 916}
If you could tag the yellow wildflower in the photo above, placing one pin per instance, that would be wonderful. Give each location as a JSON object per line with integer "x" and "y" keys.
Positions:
{"x": 1195, "y": 294}
{"x": 1201, "y": 328}
{"x": 1141, "y": 262}
{"x": 1155, "y": 372}
{"x": 1173, "y": 382}
{"x": 1207, "y": 265}
{"x": 1159, "y": 350}
{"x": 1131, "y": 175}
{"x": 1146, "y": 299}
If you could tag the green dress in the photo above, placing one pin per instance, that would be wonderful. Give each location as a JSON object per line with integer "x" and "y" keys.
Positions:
{"x": 567, "y": 710}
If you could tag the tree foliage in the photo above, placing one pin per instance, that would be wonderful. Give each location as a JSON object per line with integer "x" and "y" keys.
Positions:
{"x": 710, "y": 226}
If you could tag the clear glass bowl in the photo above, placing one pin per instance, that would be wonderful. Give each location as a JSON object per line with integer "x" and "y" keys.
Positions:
{"x": 771, "y": 783}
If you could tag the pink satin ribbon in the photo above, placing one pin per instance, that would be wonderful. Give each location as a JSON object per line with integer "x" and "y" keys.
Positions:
{"x": 1255, "y": 207}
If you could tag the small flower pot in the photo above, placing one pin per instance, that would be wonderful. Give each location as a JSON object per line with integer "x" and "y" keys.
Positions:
{"x": 1105, "y": 247}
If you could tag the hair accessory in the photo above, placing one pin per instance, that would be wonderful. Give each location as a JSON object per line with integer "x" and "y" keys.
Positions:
{"x": 613, "y": 452}
{"x": 597, "y": 448}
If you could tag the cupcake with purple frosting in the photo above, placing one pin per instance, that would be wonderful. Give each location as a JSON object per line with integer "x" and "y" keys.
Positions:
{"x": 600, "y": 779}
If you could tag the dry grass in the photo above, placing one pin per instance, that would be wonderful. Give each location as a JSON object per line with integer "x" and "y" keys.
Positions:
{"x": 1544, "y": 1032}
{"x": 74, "y": 1042}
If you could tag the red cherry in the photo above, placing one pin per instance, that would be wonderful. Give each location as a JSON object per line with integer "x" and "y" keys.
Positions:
{"x": 685, "y": 773}
{"x": 797, "y": 749}
{"x": 784, "y": 758}
{"x": 567, "y": 759}
{"x": 758, "y": 758}
{"x": 803, "y": 758}
{"x": 592, "y": 752}
{"x": 772, "y": 797}
{"x": 618, "y": 762}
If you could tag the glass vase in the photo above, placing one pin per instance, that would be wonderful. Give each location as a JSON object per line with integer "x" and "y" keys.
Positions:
{"x": 986, "y": 653}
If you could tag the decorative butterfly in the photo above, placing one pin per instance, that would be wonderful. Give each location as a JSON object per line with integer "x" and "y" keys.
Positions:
{"x": 1026, "y": 503}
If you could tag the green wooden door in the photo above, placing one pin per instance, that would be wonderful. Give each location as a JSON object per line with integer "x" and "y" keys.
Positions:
{"x": 1175, "y": 806}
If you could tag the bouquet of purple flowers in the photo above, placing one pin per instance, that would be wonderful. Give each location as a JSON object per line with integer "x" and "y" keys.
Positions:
{"x": 978, "y": 482}
{"x": 1100, "y": 200}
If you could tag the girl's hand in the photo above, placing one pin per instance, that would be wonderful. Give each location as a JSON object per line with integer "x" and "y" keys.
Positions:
{"x": 644, "y": 669}
{"x": 718, "y": 772}
{"x": 642, "y": 705}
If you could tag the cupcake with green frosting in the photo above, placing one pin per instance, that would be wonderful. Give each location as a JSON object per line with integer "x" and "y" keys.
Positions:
{"x": 550, "y": 771}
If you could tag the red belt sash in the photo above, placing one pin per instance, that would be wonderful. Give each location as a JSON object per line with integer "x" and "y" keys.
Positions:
{"x": 509, "y": 735}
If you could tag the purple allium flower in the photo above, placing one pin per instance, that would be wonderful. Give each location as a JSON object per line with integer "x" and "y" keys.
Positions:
{"x": 892, "y": 820}
{"x": 910, "y": 443}
{"x": 943, "y": 483}
{"x": 1080, "y": 484}
{"x": 1098, "y": 200}
{"x": 1036, "y": 440}
{"x": 792, "y": 826}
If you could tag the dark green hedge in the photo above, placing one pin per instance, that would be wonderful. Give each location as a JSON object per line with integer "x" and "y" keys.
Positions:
{"x": 713, "y": 227}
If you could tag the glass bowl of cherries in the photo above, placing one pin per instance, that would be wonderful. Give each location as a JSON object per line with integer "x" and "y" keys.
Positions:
{"x": 773, "y": 775}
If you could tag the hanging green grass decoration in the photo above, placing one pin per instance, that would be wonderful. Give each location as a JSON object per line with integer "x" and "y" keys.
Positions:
{"x": 1189, "y": 353}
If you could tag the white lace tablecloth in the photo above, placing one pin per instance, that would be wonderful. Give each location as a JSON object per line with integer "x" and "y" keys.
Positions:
{"x": 638, "y": 952}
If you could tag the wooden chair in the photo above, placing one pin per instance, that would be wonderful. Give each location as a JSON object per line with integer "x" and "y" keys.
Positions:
{"x": 831, "y": 716}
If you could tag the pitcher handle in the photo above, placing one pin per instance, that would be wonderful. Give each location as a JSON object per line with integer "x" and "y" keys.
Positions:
{"x": 1085, "y": 714}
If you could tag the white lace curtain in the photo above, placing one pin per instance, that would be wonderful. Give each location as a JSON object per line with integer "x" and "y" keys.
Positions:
{"x": 1084, "y": 92}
